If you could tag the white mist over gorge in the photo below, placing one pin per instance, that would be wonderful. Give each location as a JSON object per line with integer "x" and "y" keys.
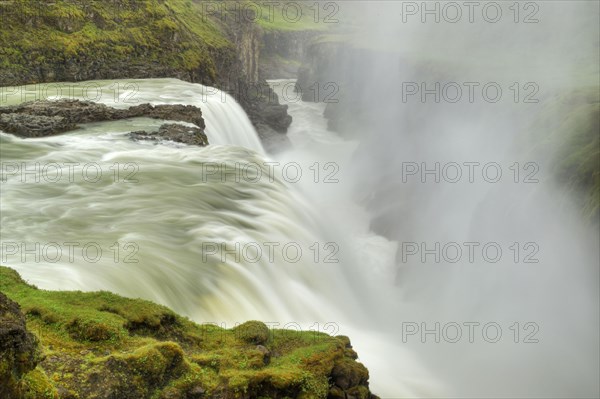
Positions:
{"x": 421, "y": 177}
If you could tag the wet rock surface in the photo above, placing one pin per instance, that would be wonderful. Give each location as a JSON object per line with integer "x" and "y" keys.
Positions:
{"x": 26, "y": 125}
{"x": 47, "y": 118}
{"x": 173, "y": 132}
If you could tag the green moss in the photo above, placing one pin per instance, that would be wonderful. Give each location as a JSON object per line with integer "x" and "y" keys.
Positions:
{"x": 38, "y": 386}
{"x": 131, "y": 348}
{"x": 296, "y": 16}
{"x": 128, "y": 32}
{"x": 284, "y": 15}
{"x": 253, "y": 332}
{"x": 156, "y": 363}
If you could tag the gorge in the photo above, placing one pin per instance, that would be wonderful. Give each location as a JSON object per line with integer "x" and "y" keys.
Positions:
{"x": 303, "y": 212}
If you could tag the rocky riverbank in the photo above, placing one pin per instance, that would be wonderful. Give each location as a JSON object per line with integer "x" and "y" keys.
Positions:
{"x": 57, "y": 344}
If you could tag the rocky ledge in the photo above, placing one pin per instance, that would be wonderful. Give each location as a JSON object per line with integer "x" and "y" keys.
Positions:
{"x": 97, "y": 345}
{"x": 47, "y": 118}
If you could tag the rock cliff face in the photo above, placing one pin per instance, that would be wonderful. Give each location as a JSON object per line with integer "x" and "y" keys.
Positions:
{"x": 319, "y": 66}
{"x": 248, "y": 87}
{"x": 102, "y": 346}
{"x": 346, "y": 92}
{"x": 283, "y": 52}
{"x": 246, "y": 36}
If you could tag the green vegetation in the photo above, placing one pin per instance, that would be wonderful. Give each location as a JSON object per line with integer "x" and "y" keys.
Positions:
{"x": 52, "y": 35}
{"x": 291, "y": 15}
{"x": 132, "y": 38}
{"x": 99, "y": 344}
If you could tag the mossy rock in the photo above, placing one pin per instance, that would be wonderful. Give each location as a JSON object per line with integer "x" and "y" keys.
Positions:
{"x": 19, "y": 349}
{"x": 253, "y": 332}
{"x": 347, "y": 374}
{"x": 100, "y": 345}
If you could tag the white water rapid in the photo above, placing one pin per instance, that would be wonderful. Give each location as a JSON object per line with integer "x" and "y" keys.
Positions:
{"x": 168, "y": 205}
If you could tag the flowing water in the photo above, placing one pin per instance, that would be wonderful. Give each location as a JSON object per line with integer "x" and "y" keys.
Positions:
{"x": 168, "y": 223}
{"x": 162, "y": 222}
{"x": 164, "y": 207}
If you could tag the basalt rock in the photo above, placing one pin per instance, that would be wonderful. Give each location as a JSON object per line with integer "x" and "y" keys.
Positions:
{"x": 34, "y": 125}
{"x": 350, "y": 379}
{"x": 175, "y": 112}
{"x": 47, "y": 118}
{"x": 273, "y": 141}
{"x": 262, "y": 105}
{"x": 283, "y": 52}
{"x": 276, "y": 116}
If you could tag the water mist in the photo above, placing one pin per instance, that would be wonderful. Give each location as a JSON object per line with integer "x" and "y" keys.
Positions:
{"x": 495, "y": 281}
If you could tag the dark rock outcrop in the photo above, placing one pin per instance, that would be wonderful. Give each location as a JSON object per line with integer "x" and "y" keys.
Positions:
{"x": 272, "y": 140}
{"x": 319, "y": 67}
{"x": 174, "y": 132}
{"x": 19, "y": 349}
{"x": 27, "y": 125}
{"x": 349, "y": 378}
{"x": 242, "y": 79}
{"x": 261, "y": 104}
{"x": 46, "y": 118}
{"x": 276, "y": 116}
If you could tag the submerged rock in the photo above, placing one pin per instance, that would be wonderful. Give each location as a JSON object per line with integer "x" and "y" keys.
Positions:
{"x": 174, "y": 132}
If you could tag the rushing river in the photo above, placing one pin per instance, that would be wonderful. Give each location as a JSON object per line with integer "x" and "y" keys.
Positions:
{"x": 227, "y": 233}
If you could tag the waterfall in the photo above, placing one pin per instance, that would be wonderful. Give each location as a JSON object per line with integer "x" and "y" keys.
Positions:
{"x": 167, "y": 224}
{"x": 167, "y": 218}
{"x": 226, "y": 121}
{"x": 192, "y": 228}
